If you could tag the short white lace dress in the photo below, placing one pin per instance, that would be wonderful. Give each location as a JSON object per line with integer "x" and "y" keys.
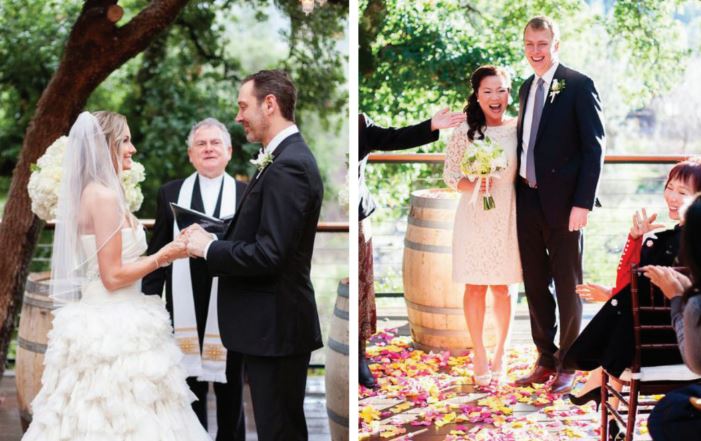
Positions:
{"x": 485, "y": 245}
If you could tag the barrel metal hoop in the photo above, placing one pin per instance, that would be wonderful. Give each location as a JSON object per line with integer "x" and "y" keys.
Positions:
{"x": 337, "y": 346}
{"x": 38, "y": 303}
{"x": 420, "y": 202}
{"x": 37, "y": 287}
{"x": 423, "y": 247}
{"x": 340, "y": 313}
{"x": 343, "y": 290}
{"x": 336, "y": 418}
{"x": 440, "y": 332}
{"x": 434, "y": 309}
{"x": 31, "y": 346}
{"x": 435, "y": 224}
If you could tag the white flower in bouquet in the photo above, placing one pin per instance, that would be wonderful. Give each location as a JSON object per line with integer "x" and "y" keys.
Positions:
{"x": 483, "y": 159}
{"x": 45, "y": 181}
{"x": 130, "y": 182}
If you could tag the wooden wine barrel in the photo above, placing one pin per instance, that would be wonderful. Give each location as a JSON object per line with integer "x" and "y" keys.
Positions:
{"x": 34, "y": 325}
{"x": 337, "y": 367}
{"x": 434, "y": 302}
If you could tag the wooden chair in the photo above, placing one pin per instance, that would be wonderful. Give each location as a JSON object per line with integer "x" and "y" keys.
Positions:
{"x": 642, "y": 380}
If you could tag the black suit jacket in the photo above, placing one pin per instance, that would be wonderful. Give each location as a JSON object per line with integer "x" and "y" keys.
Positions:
{"x": 372, "y": 137}
{"x": 569, "y": 148}
{"x": 161, "y": 236}
{"x": 266, "y": 297}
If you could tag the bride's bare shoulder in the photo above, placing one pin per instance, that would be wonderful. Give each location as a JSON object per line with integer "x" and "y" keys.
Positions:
{"x": 96, "y": 192}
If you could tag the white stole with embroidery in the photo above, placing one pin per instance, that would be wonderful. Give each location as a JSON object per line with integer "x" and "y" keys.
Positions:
{"x": 210, "y": 364}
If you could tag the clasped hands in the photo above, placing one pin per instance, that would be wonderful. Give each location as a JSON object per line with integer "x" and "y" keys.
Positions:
{"x": 191, "y": 242}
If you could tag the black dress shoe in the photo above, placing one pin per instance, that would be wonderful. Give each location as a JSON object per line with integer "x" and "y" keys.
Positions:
{"x": 365, "y": 375}
{"x": 593, "y": 395}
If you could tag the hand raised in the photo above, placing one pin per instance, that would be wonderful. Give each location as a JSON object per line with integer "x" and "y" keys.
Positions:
{"x": 643, "y": 224}
{"x": 445, "y": 119}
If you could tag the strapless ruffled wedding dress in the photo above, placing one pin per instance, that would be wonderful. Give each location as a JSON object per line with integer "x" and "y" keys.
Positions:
{"x": 112, "y": 368}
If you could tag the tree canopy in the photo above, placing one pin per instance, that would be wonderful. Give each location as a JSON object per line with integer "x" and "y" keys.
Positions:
{"x": 188, "y": 73}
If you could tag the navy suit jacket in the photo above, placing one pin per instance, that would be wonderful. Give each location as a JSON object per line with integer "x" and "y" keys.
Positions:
{"x": 570, "y": 145}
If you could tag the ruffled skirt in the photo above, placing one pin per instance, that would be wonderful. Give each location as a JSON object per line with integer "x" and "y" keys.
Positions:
{"x": 112, "y": 373}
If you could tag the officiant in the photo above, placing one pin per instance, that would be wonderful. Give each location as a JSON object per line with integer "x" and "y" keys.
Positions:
{"x": 191, "y": 294}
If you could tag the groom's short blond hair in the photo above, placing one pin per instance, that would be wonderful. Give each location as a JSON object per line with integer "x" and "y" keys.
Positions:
{"x": 543, "y": 22}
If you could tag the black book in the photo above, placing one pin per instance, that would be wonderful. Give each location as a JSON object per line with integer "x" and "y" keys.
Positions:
{"x": 185, "y": 217}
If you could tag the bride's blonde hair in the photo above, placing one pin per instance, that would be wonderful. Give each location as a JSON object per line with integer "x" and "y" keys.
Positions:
{"x": 112, "y": 125}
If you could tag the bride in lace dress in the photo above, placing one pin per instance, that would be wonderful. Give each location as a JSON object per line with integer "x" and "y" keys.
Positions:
{"x": 111, "y": 371}
{"x": 485, "y": 246}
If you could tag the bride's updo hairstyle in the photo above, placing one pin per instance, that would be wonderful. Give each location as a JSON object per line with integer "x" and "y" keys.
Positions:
{"x": 112, "y": 125}
{"x": 476, "y": 120}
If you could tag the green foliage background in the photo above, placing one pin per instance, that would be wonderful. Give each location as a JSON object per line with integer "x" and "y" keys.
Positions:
{"x": 189, "y": 73}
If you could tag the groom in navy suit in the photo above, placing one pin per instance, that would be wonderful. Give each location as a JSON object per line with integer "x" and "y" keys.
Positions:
{"x": 561, "y": 146}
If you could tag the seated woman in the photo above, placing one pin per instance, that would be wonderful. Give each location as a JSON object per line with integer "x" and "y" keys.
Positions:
{"x": 678, "y": 415}
{"x": 607, "y": 341}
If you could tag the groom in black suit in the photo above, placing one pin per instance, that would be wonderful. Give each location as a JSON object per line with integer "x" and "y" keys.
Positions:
{"x": 266, "y": 299}
{"x": 560, "y": 149}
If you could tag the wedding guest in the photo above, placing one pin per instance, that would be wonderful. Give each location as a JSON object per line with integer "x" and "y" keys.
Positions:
{"x": 373, "y": 137}
{"x": 678, "y": 415}
{"x": 560, "y": 152}
{"x": 485, "y": 246}
{"x": 190, "y": 291}
{"x": 607, "y": 341}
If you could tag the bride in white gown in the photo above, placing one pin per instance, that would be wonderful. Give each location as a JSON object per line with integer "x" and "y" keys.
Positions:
{"x": 112, "y": 368}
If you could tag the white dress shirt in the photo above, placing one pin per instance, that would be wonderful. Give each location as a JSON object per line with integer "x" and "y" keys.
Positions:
{"x": 209, "y": 189}
{"x": 270, "y": 148}
{"x": 528, "y": 117}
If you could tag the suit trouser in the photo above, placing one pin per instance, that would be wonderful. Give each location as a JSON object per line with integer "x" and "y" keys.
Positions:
{"x": 549, "y": 256}
{"x": 674, "y": 418}
{"x": 229, "y": 396}
{"x": 277, "y": 391}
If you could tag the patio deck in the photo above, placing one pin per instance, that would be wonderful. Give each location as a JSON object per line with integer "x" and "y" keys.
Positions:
{"x": 551, "y": 419}
{"x": 314, "y": 409}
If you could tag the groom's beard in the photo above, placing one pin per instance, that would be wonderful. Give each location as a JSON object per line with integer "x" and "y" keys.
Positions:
{"x": 256, "y": 130}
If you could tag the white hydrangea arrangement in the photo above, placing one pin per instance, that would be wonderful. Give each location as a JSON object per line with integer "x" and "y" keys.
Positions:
{"x": 45, "y": 181}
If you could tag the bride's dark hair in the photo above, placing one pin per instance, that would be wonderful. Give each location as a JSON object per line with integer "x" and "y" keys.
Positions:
{"x": 476, "y": 120}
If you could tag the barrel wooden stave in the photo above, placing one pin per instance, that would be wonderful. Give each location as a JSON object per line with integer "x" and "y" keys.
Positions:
{"x": 337, "y": 366}
{"x": 434, "y": 301}
{"x": 34, "y": 326}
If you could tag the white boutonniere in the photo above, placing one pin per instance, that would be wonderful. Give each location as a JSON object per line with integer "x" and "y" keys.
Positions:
{"x": 262, "y": 160}
{"x": 556, "y": 87}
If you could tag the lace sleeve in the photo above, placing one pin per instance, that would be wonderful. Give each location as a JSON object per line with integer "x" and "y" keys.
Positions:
{"x": 453, "y": 155}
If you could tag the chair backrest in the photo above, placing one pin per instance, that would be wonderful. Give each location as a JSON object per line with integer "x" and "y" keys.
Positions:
{"x": 653, "y": 332}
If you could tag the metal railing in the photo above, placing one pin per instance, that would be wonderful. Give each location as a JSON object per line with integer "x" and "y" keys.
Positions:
{"x": 629, "y": 182}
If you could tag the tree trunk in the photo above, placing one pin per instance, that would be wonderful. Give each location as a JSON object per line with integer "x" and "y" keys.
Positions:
{"x": 95, "y": 48}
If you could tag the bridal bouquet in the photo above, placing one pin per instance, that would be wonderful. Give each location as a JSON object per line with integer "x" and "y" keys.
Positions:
{"x": 483, "y": 159}
{"x": 45, "y": 181}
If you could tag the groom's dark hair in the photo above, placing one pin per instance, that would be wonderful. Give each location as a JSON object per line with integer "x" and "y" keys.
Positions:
{"x": 278, "y": 84}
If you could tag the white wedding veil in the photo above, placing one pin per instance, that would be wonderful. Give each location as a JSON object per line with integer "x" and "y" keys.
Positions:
{"x": 91, "y": 208}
